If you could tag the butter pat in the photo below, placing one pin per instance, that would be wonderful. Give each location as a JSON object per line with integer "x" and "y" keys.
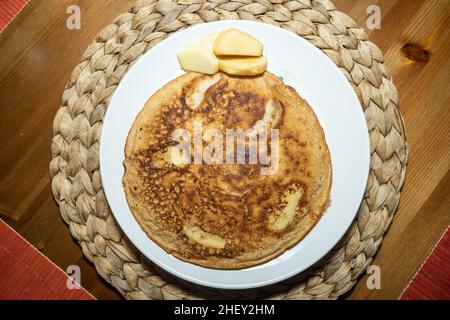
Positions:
{"x": 198, "y": 58}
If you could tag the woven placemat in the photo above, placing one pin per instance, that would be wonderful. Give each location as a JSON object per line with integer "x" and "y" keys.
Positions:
{"x": 76, "y": 182}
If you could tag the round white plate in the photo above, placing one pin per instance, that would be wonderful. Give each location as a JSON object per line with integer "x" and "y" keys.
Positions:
{"x": 316, "y": 78}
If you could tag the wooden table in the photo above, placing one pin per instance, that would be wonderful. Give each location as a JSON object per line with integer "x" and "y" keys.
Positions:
{"x": 38, "y": 54}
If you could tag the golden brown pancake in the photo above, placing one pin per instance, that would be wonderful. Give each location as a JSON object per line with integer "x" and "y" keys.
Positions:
{"x": 226, "y": 216}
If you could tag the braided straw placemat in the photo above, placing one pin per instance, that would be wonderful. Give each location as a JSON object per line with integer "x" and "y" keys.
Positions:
{"x": 74, "y": 169}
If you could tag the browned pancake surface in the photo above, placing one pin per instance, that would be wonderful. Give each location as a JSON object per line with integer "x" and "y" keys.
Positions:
{"x": 226, "y": 216}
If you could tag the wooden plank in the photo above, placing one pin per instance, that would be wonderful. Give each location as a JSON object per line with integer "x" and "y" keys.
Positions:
{"x": 38, "y": 56}
{"x": 424, "y": 211}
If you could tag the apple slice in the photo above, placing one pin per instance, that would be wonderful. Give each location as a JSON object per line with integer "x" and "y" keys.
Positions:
{"x": 243, "y": 66}
{"x": 196, "y": 57}
{"x": 209, "y": 39}
{"x": 234, "y": 42}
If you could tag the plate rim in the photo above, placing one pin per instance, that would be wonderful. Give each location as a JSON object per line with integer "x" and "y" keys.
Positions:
{"x": 189, "y": 278}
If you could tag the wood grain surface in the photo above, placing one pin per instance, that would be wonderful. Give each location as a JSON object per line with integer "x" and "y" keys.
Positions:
{"x": 38, "y": 53}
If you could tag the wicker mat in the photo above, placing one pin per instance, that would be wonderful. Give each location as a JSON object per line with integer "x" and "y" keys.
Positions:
{"x": 75, "y": 148}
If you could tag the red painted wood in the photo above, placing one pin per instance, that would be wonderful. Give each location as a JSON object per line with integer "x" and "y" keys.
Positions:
{"x": 8, "y": 10}
{"x": 432, "y": 282}
{"x": 27, "y": 274}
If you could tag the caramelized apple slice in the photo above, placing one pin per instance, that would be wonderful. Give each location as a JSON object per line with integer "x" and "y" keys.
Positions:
{"x": 243, "y": 66}
{"x": 209, "y": 40}
{"x": 196, "y": 57}
{"x": 234, "y": 42}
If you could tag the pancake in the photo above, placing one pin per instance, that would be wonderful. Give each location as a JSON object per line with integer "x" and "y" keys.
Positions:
{"x": 226, "y": 215}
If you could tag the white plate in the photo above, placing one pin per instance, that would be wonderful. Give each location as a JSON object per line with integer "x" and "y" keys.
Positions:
{"x": 316, "y": 78}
